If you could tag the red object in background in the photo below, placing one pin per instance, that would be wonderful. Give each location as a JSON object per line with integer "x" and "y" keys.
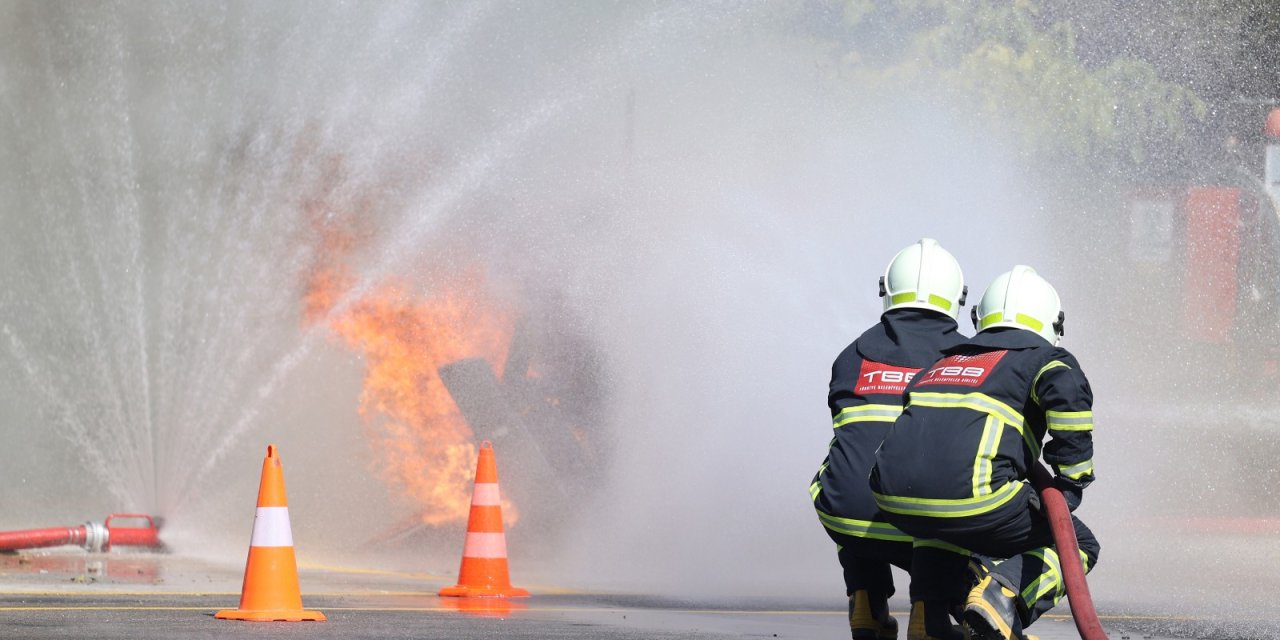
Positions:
{"x": 147, "y": 534}
{"x": 36, "y": 538}
{"x": 91, "y": 535}
{"x": 1272, "y": 127}
{"x": 1213, "y": 248}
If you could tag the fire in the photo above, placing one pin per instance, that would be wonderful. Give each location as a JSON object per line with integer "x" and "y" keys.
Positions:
{"x": 427, "y": 447}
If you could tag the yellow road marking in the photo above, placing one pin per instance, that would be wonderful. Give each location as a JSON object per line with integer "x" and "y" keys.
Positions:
{"x": 519, "y": 606}
{"x": 370, "y": 572}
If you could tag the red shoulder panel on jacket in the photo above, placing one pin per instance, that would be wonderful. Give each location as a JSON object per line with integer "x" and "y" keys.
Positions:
{"x": 878, "y": 377}
{"x": 967, "y": 371}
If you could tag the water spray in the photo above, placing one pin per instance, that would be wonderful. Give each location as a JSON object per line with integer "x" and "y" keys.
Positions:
{"x": 93, "y": 536}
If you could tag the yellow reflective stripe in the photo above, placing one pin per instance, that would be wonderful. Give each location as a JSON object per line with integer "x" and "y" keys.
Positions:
{"x": 816, "y": 487}
{"x": 1029, "y": 322}
{"x": 990, "y": 319}
{"x": 910, "y": 296}
{"x": 867, "y": 413}
{"x": 1035, "y": 382}
{"x": 934, "y": 543}
{"x": 1069, "y": 420}
{"x": 975, "y": 401}
{"x": 947, "y": 507}
{"x": 980, "y": 402}
{"x": 986, "y": 454}
{"x": 1049, "y": 581}
{"x": 1084, "y": 560}
{"x": 863, "y": 528}
{"x": 1075, "y": 471}
{"x": 1018, "y": 318}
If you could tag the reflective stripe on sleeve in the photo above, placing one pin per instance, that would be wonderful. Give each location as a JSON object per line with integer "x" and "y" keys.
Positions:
{"x": 271, "y": 528}
{"x": 1075, "y": 471}
{"x": 863, "y": 528}
{"x": 867, "y": 413}
{"x": 1035, "y": 382}
{"x": 947, "y": 507}
{"x": 1069, "y": 420}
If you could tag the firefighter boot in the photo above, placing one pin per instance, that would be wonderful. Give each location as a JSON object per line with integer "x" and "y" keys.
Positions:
{"x": 931, "y": 621}
{"x": 869, "y": 617}
{"x": 991, "y": 611}
{"x": 979, "y": 568}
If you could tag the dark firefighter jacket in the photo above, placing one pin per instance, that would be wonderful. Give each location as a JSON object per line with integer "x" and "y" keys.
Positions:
{"x": 975, "y": 422}
{"x": 867, "y": 381}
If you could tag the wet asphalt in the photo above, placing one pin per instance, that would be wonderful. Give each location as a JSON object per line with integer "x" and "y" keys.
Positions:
{"x": 82, "y": 596}
{"x": 417, "y": 616}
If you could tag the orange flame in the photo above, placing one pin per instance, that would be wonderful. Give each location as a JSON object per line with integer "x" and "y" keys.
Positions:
{"x": 427, "y": 441}
{"x": 408, "y": 412}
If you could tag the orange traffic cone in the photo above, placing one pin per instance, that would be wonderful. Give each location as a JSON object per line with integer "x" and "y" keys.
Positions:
{"x": 484, "y": 555}
{"x": 270, "y": 591}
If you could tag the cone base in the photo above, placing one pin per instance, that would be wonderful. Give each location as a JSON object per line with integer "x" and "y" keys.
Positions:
{"x": 270, "y": 615}
{"x": 462, "y": 591}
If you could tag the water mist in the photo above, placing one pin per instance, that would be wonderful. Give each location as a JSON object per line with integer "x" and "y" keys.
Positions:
{"x": 695, "y": 190}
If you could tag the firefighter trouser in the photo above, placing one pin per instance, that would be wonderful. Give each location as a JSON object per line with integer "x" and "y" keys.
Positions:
{"x": 939, "y": 573}
{"x": 866, "y": 562}
{"x": 1017, "y": 531}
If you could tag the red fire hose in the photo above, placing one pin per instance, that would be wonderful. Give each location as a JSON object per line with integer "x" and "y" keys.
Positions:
{"x": 90, "y": 535}
{"x": 1064, "y": 538}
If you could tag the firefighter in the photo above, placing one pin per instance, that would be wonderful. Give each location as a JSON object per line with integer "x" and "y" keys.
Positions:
{"x": 923, "y": 290}
{"x": 953, "y": 469}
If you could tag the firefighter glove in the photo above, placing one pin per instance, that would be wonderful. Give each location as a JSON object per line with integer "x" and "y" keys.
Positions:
{"x": 1072, "y": 492}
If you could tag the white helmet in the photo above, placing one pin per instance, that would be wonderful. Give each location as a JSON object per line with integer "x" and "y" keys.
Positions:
{"x": 924, "y": 276}
{"x": 1021, "y": 298}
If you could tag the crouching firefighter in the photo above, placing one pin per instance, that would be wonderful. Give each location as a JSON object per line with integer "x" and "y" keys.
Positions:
{"x": 923, "y": 290}
{"x": 953, "y": 469}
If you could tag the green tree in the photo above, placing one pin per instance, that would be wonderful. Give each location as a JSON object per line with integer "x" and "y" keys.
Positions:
{"x": 1016, "y": 66}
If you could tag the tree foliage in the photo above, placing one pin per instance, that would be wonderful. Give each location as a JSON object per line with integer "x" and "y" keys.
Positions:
{"x": 1012, "y": 64}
